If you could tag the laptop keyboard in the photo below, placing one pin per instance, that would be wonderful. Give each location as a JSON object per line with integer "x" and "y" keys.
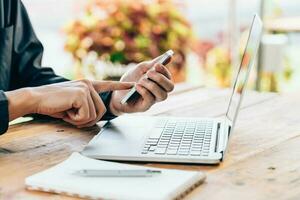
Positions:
{"x": 175, "y": 137}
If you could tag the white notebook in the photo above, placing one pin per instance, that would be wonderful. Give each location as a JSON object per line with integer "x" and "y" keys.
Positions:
{"x": 170, "y": 184}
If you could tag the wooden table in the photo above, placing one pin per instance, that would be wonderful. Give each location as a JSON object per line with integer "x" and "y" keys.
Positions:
{"x": 263, "y": 161}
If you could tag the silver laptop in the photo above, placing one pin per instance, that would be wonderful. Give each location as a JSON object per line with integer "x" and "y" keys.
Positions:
{"x": 175, "y": 139}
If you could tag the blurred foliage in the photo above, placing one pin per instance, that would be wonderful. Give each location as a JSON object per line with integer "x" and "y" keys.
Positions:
{"x": 218, "y": 63}
{"x": 273, "y": 82}
{"x": 128, "y": 31}
{"x": 272, "y": 9}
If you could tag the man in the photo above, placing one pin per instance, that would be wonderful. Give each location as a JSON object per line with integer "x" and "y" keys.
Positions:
{"x": 27, "y": 88}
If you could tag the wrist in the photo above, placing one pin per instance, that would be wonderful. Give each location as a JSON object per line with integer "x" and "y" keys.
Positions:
{"x": 34, "y": 100}
{"x": 20, "y": 102}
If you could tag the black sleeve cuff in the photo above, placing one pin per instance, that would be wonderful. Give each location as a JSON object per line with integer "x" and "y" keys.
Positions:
{"x": 106, "y": 96}
{"x": 4, "y": 117}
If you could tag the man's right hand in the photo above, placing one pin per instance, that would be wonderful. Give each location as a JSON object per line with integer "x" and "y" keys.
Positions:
{"x": 76, "y": 102}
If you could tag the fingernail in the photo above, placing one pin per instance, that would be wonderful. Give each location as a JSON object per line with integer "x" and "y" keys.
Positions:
{"x": 158, "y": 67}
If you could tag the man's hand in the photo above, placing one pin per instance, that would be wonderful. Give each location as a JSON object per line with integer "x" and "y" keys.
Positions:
{"x": 76, "y": 102}
{"x": 154, "y": 87}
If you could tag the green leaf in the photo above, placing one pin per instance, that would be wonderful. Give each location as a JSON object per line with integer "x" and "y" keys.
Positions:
{"x": 117, "y": 57}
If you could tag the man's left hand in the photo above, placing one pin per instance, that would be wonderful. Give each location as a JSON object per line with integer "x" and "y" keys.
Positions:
{"x": 154, "y": 87}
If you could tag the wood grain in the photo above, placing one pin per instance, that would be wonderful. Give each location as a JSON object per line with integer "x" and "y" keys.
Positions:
{"x": 262, "y": 161}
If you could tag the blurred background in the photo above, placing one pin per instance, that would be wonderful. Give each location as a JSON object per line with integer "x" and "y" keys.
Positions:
{"x": 101, "y": 39}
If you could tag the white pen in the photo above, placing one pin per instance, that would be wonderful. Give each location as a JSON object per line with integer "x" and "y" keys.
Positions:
{"x": 116, "y": 173}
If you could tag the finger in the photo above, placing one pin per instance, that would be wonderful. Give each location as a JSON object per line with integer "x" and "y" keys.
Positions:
{"x": 158, "y": 60}
{"x": 92, "y": 108}
{"x": 163, "y": 70}
{"x": 97, "y": 101}
{"x": 73, "y": 122}
{"x": 145, "y": 66}
{"x": 100, "y": 109}
{"x": 147, "y": 98}
{"x": 159, "y": 93}
{"x": 105, "y": 86}
{"x": 70, "y": 121}
{"x": 94, "y": 122}
{"x": 161, "y": 80}
{"x": 80, "y": 113}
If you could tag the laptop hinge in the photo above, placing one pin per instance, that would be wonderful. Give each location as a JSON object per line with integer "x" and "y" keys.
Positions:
{"x": 222, "y": 137}
{"x": 226, "y": 136}
{"x": 218, "y": 137}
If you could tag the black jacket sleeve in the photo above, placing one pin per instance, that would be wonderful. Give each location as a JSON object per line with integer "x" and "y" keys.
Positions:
{"x": 4, "y": 118}
{"x": 26, "y": 69}
{"x": 27, "y": 54}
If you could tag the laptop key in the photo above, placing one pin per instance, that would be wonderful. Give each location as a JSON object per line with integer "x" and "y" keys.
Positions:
{"x": 196, "y": 140}
{"x": 172, "y": 142}
{"x": 186, "y": 143}
{"x": 172, "y": 148}
{"x": 177, "y": 136}
{"x": 163, "y": 144}
{"x": 195, "y": 153}
{"x": 152, "y": 148}
{"x": 176, "y": 139}
{"x": 196, "y": 146}
{"x": 151, "y": 143}
{"x": 196, "y": 150}
{"x": 152, "y": 140}
{"x": 172, "y": 151}
{"x": 205, "y": 148}
{"x": 160, "y": 150}
{"x": 184, "y": 153}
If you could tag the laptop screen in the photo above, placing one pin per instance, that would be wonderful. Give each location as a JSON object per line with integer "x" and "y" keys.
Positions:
{"x": 244, "y": 69}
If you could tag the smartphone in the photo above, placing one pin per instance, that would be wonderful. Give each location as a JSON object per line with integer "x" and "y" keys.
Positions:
{"x": 133, "y": 93}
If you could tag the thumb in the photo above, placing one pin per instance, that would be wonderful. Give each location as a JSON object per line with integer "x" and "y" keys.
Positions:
{"x": 105, "y": 86}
